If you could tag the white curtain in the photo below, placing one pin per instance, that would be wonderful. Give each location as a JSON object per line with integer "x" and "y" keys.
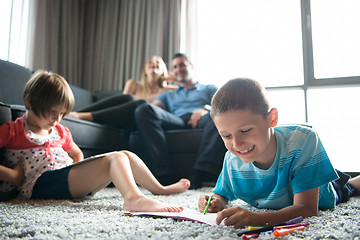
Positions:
{"x": 97, "y": 44}
{"x": 189, "y": 28}
{"x": 15, "y": 19}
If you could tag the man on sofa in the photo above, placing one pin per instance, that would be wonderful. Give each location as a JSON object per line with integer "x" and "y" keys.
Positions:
{"x": 186, "y": 107}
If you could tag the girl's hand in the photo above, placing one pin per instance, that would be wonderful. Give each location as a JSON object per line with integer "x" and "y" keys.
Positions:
{"x": 18, "y": 173}
{"x": 236, "y": 216}
{"x": 216, "y": 204}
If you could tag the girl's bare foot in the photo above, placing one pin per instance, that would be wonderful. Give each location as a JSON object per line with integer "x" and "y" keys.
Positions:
{"x": 144, "y": 204}
{"x": 181, "y": 186}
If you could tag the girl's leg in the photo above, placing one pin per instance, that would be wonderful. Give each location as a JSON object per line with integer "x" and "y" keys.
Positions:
{"x": 94, "y": 175}
{"x": 146, "y": 179}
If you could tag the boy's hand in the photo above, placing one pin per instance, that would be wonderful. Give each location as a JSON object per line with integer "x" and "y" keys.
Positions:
{"x": 216, "y": 204}
{"x": 236, "y": 216}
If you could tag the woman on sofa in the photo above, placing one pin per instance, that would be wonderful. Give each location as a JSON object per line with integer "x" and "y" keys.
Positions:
{"x": 118, "y": 110}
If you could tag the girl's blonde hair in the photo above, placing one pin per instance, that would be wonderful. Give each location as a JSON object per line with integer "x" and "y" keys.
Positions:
{"x": 144, "y": 83}
{"x": 46, "y": 90}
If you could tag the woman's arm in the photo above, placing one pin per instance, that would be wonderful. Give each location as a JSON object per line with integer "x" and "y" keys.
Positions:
{"x": 131, "y": 87}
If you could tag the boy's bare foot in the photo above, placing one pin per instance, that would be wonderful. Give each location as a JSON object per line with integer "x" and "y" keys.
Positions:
{"x": 355, "y": 182}
{"x": 144, "y": 204}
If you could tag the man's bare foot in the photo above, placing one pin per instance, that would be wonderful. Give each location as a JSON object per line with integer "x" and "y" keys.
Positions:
{"x": 144, "y": 204}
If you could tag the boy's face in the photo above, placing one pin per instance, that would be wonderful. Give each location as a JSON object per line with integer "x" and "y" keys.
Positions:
{"x": 249, "y": 136}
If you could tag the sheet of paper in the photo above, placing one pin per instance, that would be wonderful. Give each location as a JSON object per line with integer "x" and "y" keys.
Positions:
{"x": 91, "y": 158}
{"x": 186, "y": 214}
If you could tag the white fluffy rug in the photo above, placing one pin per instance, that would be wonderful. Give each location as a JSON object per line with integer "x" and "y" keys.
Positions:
{"x": 101, "y": 217}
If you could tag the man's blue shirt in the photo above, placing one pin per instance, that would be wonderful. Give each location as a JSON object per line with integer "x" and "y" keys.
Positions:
{"x": 182, "y": 100}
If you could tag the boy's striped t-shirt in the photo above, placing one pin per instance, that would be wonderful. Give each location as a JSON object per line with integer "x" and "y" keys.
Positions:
{"x": 301, "y": 164}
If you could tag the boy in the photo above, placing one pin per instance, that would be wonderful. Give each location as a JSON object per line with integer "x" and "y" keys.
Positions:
{"x": 283, "y": 168}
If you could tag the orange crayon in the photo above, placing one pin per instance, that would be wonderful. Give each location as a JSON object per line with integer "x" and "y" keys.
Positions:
{"x": 284, "y": 231}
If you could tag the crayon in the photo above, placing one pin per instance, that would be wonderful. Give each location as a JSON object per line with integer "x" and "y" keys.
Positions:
{"x": 270, "y": 227}
{"x": 292, "y": 225}
{"x": 250, "y": 236}
{"x": 208, "y": 204}
{"x": 254, "y": 227}
{"x": 284, "y": 231}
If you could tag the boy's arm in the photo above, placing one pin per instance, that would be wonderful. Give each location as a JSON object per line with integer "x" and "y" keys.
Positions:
{"x": 305, "y": 205}
{"x": 217, "y": 203}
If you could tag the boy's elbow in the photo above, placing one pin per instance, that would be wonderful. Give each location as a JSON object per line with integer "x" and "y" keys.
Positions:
{"x": 310, "y": 211}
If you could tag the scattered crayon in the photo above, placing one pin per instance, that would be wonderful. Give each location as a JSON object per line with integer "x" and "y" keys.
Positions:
{"x": 284, "y": 231}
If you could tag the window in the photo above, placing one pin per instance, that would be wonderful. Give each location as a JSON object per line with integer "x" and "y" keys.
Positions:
{"x": 14, "y": 28}
{"x": 256, "y": 39}
{"x": 305, "y": 52}
{"x": 336, "y": 38}
{"x": 334, "y": 114}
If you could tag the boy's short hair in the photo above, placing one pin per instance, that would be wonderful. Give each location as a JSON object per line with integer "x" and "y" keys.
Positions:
{"x": 240, "y": 94}
{"x": 46, "y": 90}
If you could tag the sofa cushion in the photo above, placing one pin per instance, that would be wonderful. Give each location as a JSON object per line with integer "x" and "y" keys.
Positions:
{"x": 82, "y": 97}
{"x": 5, "y": 113}
{"x": 94, "y": 138}
{"x": 12, "y": 76}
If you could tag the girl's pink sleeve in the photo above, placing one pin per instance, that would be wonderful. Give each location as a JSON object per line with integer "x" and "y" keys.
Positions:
{"x": 68, "y": 139}
{"x": 5, "y": 134}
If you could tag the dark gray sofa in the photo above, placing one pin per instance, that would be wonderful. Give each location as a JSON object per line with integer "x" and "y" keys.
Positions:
{"x": 91, "y": 137}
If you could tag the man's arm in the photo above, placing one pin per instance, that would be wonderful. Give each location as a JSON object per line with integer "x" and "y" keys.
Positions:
{"x": 158, "y": 103}
{"x": 196, "y": 116}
